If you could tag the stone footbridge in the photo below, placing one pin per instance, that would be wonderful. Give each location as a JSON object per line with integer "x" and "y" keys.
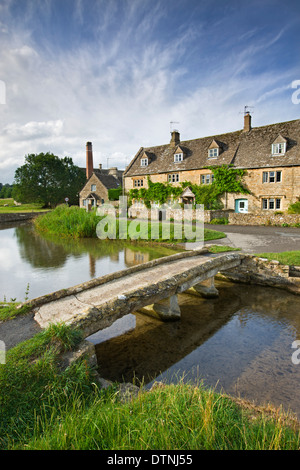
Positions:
{"x": 151, "y": 288}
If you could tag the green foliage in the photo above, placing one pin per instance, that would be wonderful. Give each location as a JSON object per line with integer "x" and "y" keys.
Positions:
{"x": 114, "y": 193}
{"x": 294, "y": 208}
{"x": 180, "y": 416}
{"x": 220, "y": 221}
{"x": 74, "y": 222}
{"x": 67, "y": 221}
{"x": 6, "y": 191}
{"x": 227, "y": 179}
{"x": 48, "y": 179}
{"x": 32, "y": 385}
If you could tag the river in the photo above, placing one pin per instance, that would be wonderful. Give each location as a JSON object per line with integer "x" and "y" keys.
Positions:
{"x": 240, "y": 343}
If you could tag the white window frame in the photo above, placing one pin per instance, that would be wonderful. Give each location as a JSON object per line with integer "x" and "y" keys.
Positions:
{"x": 93, "y": 187}
{"x": 207, "y": 178}
{"x": 213, "y": 153}
{"x": 279, "y": 149}
{"x": 144, "y": 162}
{"x": 271, "y": 203}
{"x": 178, "y": 157}
{"x": 272, "y": 176}
{"x": 138, "y": 183}
{"x": 173, "y": 178}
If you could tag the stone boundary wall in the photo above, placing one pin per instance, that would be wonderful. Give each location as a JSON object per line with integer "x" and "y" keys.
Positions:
{"x": 268, "y": 218}
{"x": 18, "y": 217}
{"x": 177, "y": 214}
{"x": 261, "y": 271}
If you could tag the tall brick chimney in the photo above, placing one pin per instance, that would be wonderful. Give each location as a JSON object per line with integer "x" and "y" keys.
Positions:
{"x": 175, "y": 139}
{"x": 247, "y": 122}
{"x": 89, "y": 160}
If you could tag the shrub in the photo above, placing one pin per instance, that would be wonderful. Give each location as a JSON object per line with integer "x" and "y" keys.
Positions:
{"x": 220, "y": 221}
{"x": 294, "y": 208}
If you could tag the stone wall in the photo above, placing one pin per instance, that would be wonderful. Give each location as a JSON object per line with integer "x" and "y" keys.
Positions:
{"x": 141, "y": 212}
{"x": 263, "y": 218}
{"x": 261, "y": 271}
{"x": 17, "y": 217}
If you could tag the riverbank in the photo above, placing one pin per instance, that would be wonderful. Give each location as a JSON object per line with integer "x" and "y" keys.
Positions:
{"x": 73, "y": 222}
{"x": 46, "y": 407}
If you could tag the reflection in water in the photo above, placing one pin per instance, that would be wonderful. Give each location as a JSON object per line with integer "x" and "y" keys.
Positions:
{"x": 48, "y": 264}
{"x": 239, "y": 343}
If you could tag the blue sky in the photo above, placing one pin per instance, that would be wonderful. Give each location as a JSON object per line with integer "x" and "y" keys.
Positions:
{"x": 117, "y": 72}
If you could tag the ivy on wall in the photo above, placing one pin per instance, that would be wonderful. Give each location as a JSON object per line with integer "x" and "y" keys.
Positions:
{"x": 226, "y": 179}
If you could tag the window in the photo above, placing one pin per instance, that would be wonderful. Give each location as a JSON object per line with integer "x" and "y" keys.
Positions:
{"x": 213, "y": 153}
{"x": 138, "y": 183}
{"x": 271, "y": 203}
{"x": 278, "y": 149}
{"x": 144, "y": 162}
{"x": 207, "y": 179}
{"x": 174, "y": 178}
{"x": 178, "y": 157}
{"x": 93, "y": 187}
{"x": 272, "y": 176}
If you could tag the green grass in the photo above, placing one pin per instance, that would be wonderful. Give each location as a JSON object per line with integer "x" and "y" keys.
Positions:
{"x": 74, "y": 222}
{"x": 10, "y": 310}
{"x": 221, "y": 248}
{"x": 45, "y": 408}
{"x": 8, "y": 206}
{"x": 291, "y": 258}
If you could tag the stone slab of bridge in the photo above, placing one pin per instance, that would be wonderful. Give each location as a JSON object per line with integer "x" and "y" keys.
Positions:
{"x": 153, "y": 286}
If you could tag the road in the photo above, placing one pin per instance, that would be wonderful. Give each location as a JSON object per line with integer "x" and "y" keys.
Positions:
{"x": 258, "y": 239}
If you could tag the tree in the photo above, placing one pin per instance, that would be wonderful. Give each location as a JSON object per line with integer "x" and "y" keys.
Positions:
{"x": 6, "y": 191}
{"x": 48, "y": 179}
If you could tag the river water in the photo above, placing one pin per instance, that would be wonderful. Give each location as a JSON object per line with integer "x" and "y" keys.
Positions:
{"x": 240, "y": 343}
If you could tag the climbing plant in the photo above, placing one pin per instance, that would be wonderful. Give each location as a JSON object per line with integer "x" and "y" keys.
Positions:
{"x": 226, "y": 179}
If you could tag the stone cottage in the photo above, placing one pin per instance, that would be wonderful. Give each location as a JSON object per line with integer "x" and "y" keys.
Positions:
{"x": 269, "y": 154}
{"x": 99, "y": 181}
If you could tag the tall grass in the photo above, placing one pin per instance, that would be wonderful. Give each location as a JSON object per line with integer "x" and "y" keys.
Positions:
{"x": 174, "y": 417}
{"x": 68, "y": 222}
{"x": 77, "y": 223}
{"x": 42, "y": 407}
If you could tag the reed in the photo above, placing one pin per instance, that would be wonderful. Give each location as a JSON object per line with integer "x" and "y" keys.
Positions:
{"x": 73, "y": 222}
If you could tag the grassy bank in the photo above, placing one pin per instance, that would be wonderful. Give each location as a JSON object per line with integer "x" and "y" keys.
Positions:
{"x": 291, "y": 258}
{"x": 77, "y": 223}
{"x": 44, "y": 408}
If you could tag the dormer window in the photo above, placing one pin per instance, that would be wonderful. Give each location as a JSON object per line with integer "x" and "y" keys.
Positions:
{"x": 178, "y": 157}
{"x": 279, "y": 146}
{"x": 144, "y": 162}
{"x": 213, "y": 153}
{"x": 214, "y": 150}
{"x": 278, "y": 149}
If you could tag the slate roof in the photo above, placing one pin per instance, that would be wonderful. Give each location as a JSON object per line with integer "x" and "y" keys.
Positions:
{"x": 109, "y": 181}
{"x": 242, "y": 149}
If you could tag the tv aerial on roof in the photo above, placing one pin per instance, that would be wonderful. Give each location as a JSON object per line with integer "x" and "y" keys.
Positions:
{"x": 247, "y": 109}
{"x": 171, "y": 125}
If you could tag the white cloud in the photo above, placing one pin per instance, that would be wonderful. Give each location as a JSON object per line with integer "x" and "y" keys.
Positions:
{"x": 121, "y": 88}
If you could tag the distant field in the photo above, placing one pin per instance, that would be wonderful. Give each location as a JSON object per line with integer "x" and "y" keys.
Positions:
{"x": 7, "y": 205}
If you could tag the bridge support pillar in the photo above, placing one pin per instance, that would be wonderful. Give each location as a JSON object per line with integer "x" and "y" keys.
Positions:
{"x": 206, "y": 289}
{"x": 166, "y": 309}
